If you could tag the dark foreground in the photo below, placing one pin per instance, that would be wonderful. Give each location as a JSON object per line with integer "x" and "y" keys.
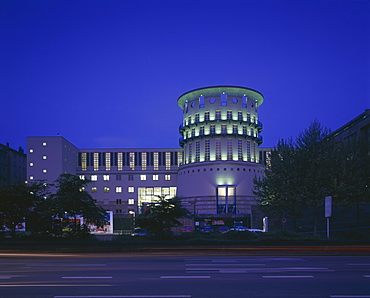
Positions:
{"x": 246, "y": 247}
{"x": 177, "y": 274}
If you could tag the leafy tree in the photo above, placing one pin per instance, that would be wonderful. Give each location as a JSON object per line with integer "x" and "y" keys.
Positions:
{"x": 317, "y": 166}
{"x": 278, "y": 191}
{"x": 18, "y": 202}
{"x": 301, "y": 174}
{"x": 71, "y": 200}
{"x": 354, "y": 173}
{"x": 162, "y": 215}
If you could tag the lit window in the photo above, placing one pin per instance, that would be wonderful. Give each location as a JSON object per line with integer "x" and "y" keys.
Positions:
{"x": 107, "y": 161}
{"x": 223, "y": 128}
{"x": 94, "y": 189}
{"x": 31, "y": 164}
{"x": 44, "y": 144}
{"x": 179, "y": 158}
{"x": 131, "y": 201}
{"x": 44, "y": 170}
{"x": 167, "y": 177}
{"x": 207, "y": 150}
{"x": 197, "y": 151}
{"x": 190, "y": 148}
{"x": 240, "y": 116}
{"x": 155, "y": 177}
{"x": 240, "y": 150}
{"x": 82, "y": 177}
{"x": 235, "y": 129}
{"x": 118, "y": 189}
{"x": 218, "y": 115}
{"x": 218, "y": 150}
{"x": 206, "y": 116}
{"x": 106, "y": 177}
{"x": 94, "y": 177}
{"x": 142, "y": 177}
{"x": 96, "y": 161}
{"x": 201, "y": 131}
{"x": 155, "y": 161}
{"x": 229, "y": 149}
{"x": 132, "y": 160}
{"x": 31, "y": 150}
{"x": 31, "y": 177}
{"x": 229, "y": 115}
{"x": 83, "y": 161}
{"x": 120, "y": 161}
{"x": 168, "y": 161}
{"x": 106, "y": 189}
{"x": 131, "y": 189}
{"x": 143, "y": 161}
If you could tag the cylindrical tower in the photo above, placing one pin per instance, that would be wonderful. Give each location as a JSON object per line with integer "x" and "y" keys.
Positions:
{"x": 220, "y": 138}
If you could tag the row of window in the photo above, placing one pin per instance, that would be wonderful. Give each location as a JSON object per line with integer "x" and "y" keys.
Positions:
{"x": 119, "y": 177}
{"x": 220, "y": 129}
{"x": 218, "y": 169}
{"x": 129, "y": 159}
{"x": 246, "y": 151}
{"x": 119, "y": 189}
{"x": 218, "y": 115}
{"x": 223, "y": 102}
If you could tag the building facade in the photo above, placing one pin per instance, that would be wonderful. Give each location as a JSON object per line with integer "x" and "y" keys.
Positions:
{"x": 220, "y": 135}
{"x": 12, "y": 165}
{"x": 357, "y": 127}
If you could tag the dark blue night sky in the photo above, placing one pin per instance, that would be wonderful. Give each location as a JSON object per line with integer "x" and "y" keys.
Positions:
{"x": 107, "y": 73}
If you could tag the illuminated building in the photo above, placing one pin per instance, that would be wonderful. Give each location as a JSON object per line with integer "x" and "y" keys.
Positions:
{"x": 213, "y": 171}
{"x": 220, "y": 138}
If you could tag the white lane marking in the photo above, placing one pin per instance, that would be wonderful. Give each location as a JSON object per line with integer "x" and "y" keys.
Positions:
{"x": 5, "y": 277}
{"x": 366, "y": 275}
{"x": 130, "y": 296}
{"x": 304, "y": 268}
{"x": 66, "y": 265}
{"x": 86, "y": 277}
{"x": 235, "y": 265}
{"x": 186, "y": 276}
{"x": 349, "y": 296}
{"x": 287, "y": 276}
{"x": 233, "y": 271}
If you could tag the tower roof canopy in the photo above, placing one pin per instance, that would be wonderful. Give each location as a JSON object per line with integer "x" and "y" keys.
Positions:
{"x": 216, "y": 90}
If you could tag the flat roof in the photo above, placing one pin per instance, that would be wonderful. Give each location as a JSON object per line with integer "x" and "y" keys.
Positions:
{"x": 214, "y": 90}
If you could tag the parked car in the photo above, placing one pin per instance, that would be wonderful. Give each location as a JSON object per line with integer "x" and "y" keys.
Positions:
{"x": 239, "y": 229}
{"x": 256, "y": 231}
{"x": 223, "y": 229}
{"x": 187, "y": 229}
{"x": 140, "y": 232}
{"x": 206, "y": 229}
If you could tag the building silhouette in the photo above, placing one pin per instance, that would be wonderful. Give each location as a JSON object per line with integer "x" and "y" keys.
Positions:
{"x": 12, "y": 165}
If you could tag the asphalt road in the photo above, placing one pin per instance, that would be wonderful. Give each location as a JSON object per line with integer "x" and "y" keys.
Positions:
{"x": 180, "y": 275}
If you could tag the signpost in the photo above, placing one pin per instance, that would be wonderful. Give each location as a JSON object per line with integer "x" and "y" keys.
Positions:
{"x": 328, "y": 201}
